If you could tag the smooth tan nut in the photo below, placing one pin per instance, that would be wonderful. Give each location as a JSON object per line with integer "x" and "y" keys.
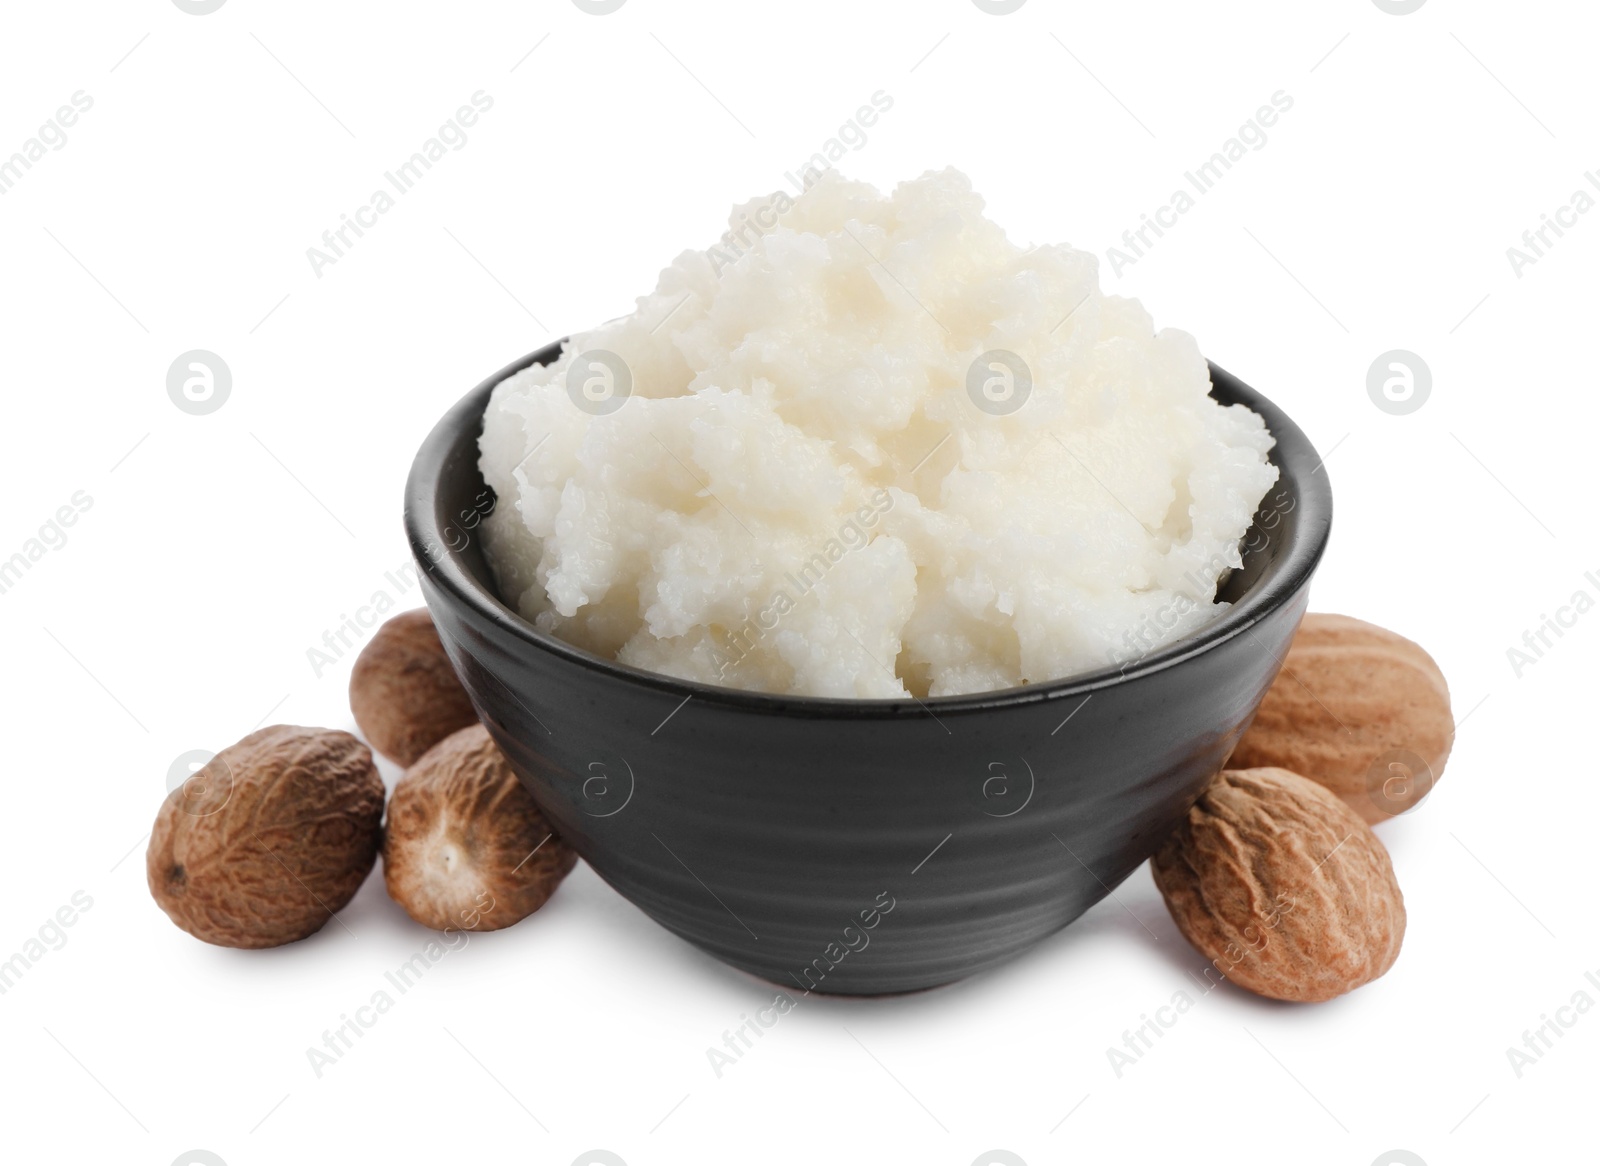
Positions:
{"x": 403, "y": 689}
{"x": 1282, "y": 886}
{"x": 1361, "y": 710}
{"x": 270, "y": 838}
{"x": 466, "y": 848}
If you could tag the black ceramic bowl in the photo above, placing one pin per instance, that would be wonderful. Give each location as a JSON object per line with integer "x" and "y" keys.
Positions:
{"x": 854, "y": 846}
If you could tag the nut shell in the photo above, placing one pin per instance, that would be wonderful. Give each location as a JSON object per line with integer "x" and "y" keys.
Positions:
{"x": 1283, "y": 887}
{"x": 403, "y": 689}
{"x": 466, "y": 848}
{"x": 1359, "y": 709}
{"x": 288, "y": 826}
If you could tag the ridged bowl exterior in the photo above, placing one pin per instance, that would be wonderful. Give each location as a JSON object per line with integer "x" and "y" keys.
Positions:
{"x": 862, "y": 847}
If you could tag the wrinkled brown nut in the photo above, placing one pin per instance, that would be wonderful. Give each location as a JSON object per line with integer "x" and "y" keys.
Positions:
{"x": 1359, "y": 709}
{"x": 466, "y": 848}
{"x": 1285, "y": 889}
{"x": 404, "y": 692}
{"x": 271, "y": 837}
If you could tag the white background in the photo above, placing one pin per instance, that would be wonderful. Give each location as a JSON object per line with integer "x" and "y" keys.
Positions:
{"x": 219, "y": 548}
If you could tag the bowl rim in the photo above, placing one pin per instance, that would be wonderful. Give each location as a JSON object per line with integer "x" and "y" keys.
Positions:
{"x": 1293, "y": 453}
